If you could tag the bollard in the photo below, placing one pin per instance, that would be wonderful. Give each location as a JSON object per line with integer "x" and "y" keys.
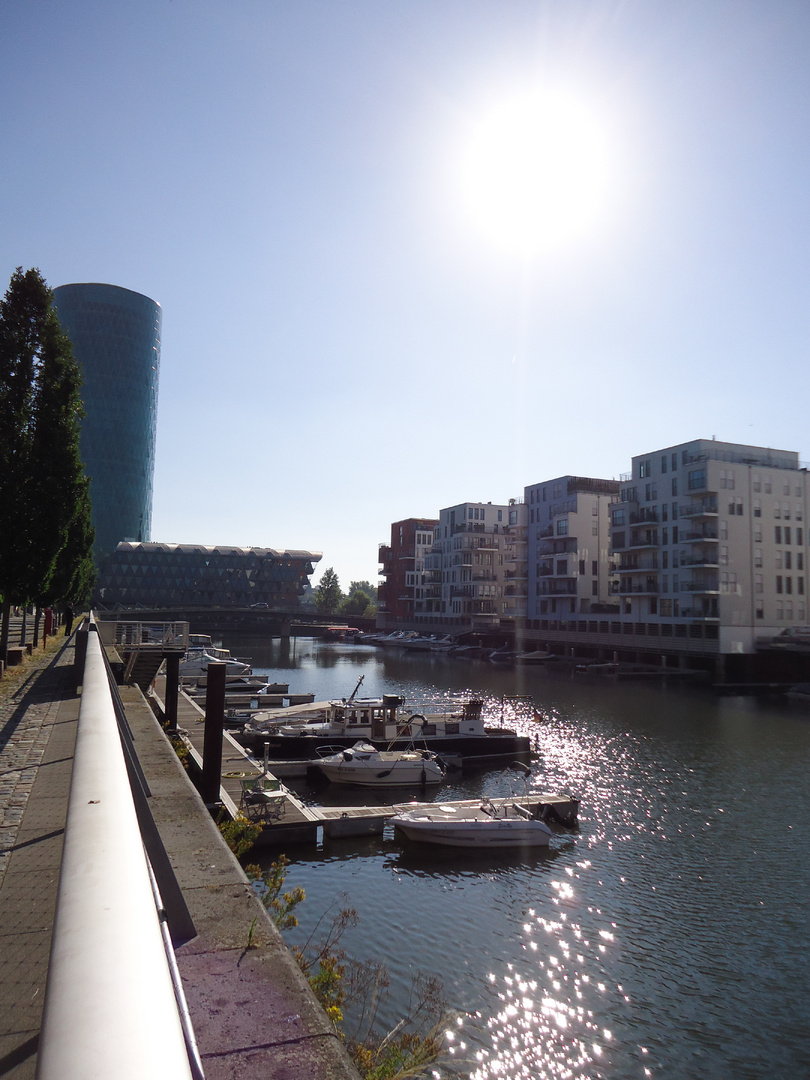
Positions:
{"x": 214, "y": 727}
{"x": 172, "y": 690}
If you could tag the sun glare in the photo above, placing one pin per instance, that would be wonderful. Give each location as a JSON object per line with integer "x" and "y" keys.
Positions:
{"x": 535, "y": 172}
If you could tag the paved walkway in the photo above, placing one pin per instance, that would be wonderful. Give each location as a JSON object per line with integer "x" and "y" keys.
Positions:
{"x": 253, "y": 1012}
{"x": 37, "y": 734}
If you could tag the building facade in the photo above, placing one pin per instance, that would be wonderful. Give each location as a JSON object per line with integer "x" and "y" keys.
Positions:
{"x": 116, "y": 340}
{"x": 476, "y": 572}
{"x": 402, "y": 564}
{"x": 191, "y": 576}
{"x": 569, "y": 558}
{"x": 711, "y": 543}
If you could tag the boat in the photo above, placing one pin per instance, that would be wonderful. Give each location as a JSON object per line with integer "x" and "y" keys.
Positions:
{"x": 364, "y": 765}
{"x": 196, "y": 662}
{"x": 505, "y": 824}
{"x": 298, "y": 732}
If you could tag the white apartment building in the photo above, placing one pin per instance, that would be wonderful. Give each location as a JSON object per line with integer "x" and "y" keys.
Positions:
{"x": 570, "y": 568}
{"x": 711, "y": 545}
{"x": 478, "y": 565}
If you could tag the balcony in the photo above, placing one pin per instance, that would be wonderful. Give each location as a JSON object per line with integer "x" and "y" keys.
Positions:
{"x": 642, "y": 539}
{"x": 707, "y": 561}
{"x": 649, "y": 588}
{"x": 639, "y": 516}
{"x": 637, "y": 566}
{"x": 706, "y": 508}
{"x": 699, "y": 587}
{"x": 699, "y": 537}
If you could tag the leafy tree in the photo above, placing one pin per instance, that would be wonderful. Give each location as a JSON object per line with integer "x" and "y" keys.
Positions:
{"x": 361, "y": 601}
{"x": 328, "y": 594}
{"x": 41, "y": 476}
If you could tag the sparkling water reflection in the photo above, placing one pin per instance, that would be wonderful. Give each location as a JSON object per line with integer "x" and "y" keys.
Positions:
{"x": 667, "y": 937}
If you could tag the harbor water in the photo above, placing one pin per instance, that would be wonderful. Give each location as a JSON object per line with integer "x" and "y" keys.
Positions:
{"x": 667, "y": 937}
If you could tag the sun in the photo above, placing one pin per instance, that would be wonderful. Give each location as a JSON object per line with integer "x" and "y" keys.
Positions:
{"x": 535, "y": 172}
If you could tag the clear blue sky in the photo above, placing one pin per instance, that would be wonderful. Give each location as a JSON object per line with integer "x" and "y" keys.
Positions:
{"x": 346, "y": 340}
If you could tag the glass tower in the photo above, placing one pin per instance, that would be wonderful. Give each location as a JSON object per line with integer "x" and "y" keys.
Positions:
{"x": 116, "y": 340}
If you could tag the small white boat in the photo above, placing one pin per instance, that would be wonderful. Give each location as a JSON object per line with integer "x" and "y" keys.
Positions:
{"x": 364, "y": 765}
{"x": 488, "y": 825}
{"x": 196, "y": 662}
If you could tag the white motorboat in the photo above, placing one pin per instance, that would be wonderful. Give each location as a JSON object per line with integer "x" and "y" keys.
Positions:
{"x": 366, "y": 766}
{"x": 196, "y": 662}
{"x": 488, "y": 825}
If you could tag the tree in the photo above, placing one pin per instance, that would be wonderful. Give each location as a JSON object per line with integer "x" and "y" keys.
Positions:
{"x": 328, "y": 595}
{"x": 361, "y": 601}
{"x": 41, "y": 475}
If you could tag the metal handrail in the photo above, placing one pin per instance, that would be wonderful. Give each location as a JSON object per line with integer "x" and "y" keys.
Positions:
{"x": 109, "y": 1002}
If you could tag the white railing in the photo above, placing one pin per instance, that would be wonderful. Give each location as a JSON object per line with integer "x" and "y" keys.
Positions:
{"x": 110, "y": 1007}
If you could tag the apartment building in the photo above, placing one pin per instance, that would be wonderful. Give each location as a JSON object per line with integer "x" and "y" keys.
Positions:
{"x": 479, "y": 564}
{"x": 403, "y": 567}
{"x": 570, "y": 569}
{"x": 710, "y": 541}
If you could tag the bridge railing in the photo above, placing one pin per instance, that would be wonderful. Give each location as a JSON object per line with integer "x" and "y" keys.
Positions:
{"x": 110, "y": 1002}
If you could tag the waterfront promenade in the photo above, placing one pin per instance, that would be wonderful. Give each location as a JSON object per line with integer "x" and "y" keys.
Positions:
{"x": 253, "y": 1012}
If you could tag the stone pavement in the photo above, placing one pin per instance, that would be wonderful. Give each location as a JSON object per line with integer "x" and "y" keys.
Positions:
{"x": 37, "y": 735}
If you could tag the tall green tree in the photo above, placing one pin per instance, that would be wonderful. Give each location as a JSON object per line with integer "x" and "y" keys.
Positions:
{"x": 328, "y": 595}
{"x": 41, "y": 474}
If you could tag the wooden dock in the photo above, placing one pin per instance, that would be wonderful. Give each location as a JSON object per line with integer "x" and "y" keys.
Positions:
{"x": 285, "y": 820}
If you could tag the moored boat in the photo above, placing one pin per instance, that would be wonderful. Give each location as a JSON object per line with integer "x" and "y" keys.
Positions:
{"x": 300, "y": 733}
{"x": 489, "y": 825}
{"x": 364, "y": 765}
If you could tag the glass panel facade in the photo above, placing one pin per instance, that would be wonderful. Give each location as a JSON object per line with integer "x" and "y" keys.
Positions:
{"x": 188, "y": 575}
{"x": 116, "y": 340}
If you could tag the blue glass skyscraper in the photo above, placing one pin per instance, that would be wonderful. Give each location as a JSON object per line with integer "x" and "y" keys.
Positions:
{"x": 116, "y": 340}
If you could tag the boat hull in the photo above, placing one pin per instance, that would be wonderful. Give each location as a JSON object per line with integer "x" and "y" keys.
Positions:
{"x": 432, "y": 827}
{"x": 483, "y": 748}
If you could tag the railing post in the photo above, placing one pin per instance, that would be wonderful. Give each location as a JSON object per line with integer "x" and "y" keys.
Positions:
{"x": 172, "y": 690}
{"x": 214, "y": 727}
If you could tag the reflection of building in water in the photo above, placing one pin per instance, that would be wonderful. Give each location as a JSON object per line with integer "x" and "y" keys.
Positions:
{"x": 189, "y": 575}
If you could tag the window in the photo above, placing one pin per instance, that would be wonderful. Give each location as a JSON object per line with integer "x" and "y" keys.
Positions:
{"x": 594, "y": 567}
{"x": 674, "y": 483}
{"x": 757, "y": 556}
{"x": 767, "y": 485}
{"x": 723, "y": 529}
{"x": 594, "y": 588}
{"x": 758, "y": 534}
{"x": 755, "y": 482}
{"x": 663, "y": 463}
{"x": 644, "y": 469}
{"x": 800, "y": 586}
{"x": 799, "y": 537}
{"x": 665, "y": 536}
{"x": 664, "y": 560}
{"x": 674, "y": 511}
{"x": 800, "y": 560}
{"x": 758, "y": 583}
{"x": 777, "y": 562}
{"x": 664, "y": 512}
{"x": 786, "y": 488}
{"x": 674, "y": 534}
{"x": 674, "y": 462}
{"x": 500, "y": 515}
{"x": 787, "y": 534}
{"x": 757, "y": 508}
{"x": 723, "y": 555}
{"x": 777, "y": 509}
{"x": 760, "y": 611}
{"x": 582, "y": 567}
{"x": 779, "y": 583}
{"x": 777, "y": 534}
{"x": 696, "y": 479}
{"x": 562, "y": 526}
{"x": 618, "y": 517}
{"x": 780, "y": 610}
{"x": 788, "y": 585}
